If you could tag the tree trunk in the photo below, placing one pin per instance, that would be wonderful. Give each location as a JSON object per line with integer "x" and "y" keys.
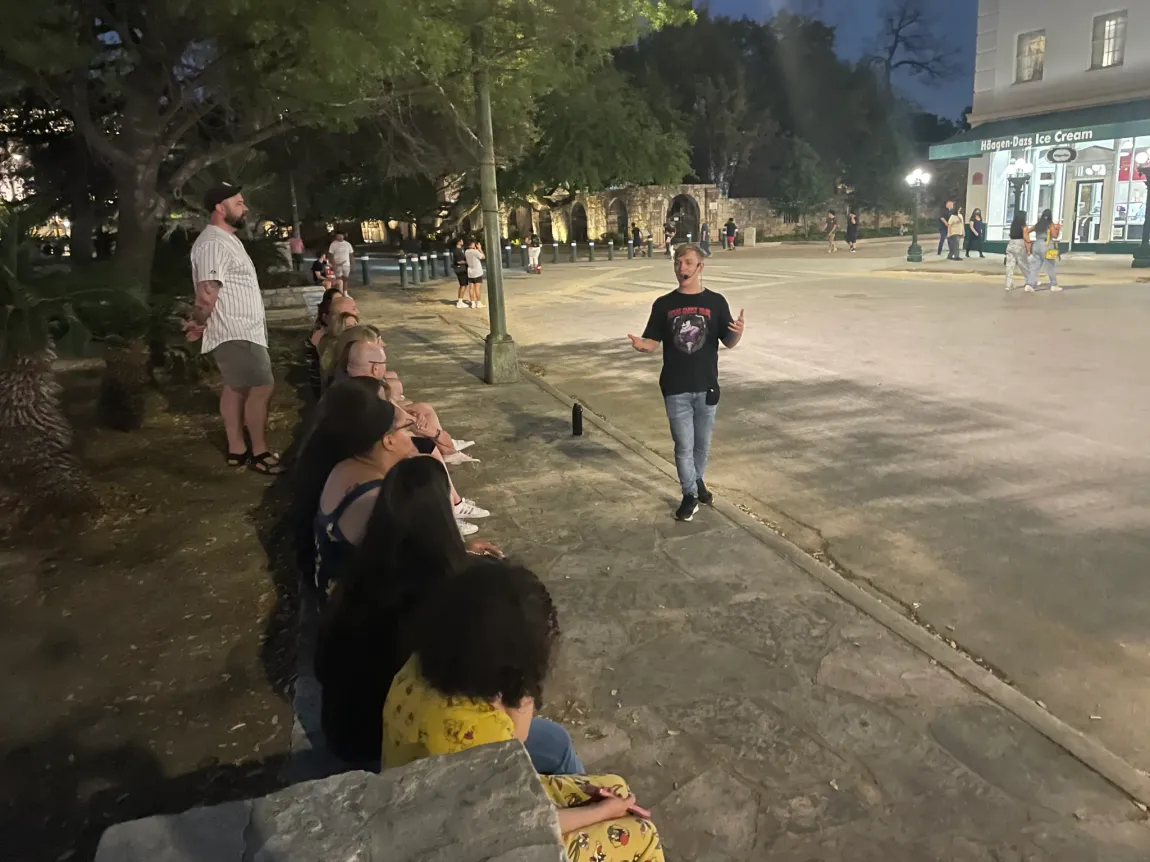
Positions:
{"x": 136, "y": 230}
{"x": 39, "y": 471}
{"x": 82, "y": 207}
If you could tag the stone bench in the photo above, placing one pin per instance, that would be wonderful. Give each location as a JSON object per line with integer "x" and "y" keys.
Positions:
{"x": 483, "y": 804}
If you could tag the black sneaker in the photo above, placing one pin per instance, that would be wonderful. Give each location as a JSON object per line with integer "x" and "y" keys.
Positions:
{"x": 705, "y": 496}
{"x": 688, "y": 508}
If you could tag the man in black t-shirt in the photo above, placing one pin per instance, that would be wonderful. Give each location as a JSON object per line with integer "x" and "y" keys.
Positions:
{"x": 689, "y": 323}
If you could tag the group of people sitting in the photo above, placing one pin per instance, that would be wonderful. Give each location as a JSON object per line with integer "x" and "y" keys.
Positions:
{"x": 428, "y": 644}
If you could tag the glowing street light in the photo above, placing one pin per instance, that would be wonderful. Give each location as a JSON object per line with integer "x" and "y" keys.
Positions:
{"x": 918, "y": 179}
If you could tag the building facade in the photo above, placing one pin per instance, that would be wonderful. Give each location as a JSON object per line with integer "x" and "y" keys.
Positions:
{"x": 1063, "y": 86}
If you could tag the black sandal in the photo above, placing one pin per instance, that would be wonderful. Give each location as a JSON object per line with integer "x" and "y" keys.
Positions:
{"x": 268, "y": 464}
{"x": 239, "y": 460}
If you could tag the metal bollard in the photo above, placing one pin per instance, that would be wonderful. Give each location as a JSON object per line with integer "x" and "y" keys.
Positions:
{"x": 630, "y": 249}
{"x": 688, "y": 237}
{"x": 403, "y": 272}
{"x": 610, "y": 249}
{"x": 447, "y": 264}
{"x": 523, "y": 255}
{"x": 431, "y": 266}
{"x": 413, "y": 265}
{"x": 650, "y": 247}
{"x": 366, "y": 274}
{"x": 507, "y": 256}
{"x": 421, "y": 272}
{"x": 574, "y": 259}
{"x": 591, "y": 256}
{"x": 555, "y": 252}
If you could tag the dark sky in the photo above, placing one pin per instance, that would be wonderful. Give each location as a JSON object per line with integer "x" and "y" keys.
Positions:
{"x": 855, "y": 22}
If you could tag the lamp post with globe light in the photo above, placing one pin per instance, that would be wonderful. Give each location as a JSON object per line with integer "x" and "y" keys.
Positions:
{"x": 1018, "y": 174}
{"x": 918, "y": 179}
{"x": 1142, "y": 253}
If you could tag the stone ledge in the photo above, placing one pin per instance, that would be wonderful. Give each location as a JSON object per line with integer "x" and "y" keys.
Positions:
{"x": 484, "y": 804}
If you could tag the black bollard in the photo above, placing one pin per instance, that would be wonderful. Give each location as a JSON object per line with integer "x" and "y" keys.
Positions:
{"x": 403, "y": 272}
{"x": 591, "y": 255}
{"x": 555, "y": 252}
{"x": 507, "y": 257}
{"x": 610, "y": 249}
{"x": 574, "y": 252}
{"x": 366, "y": 274}
{"x": 630, "y": 249}
{"x": 577, "y": 419}
{"x": 650, "y": 247}
{"x": 413, "y": 272}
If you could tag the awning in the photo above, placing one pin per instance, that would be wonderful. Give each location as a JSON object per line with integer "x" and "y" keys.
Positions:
{"x": 1097, "y": 123}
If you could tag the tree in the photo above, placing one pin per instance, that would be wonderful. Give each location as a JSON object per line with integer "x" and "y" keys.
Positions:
{"x": 162, "y": 90}
{"x": 804, "y": 184}
{"x": 907, "y": 43}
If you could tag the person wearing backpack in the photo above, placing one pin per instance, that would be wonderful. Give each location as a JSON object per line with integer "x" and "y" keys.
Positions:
{"x": 1044, "y": 251}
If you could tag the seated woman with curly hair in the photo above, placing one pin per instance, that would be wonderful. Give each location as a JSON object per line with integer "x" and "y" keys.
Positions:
{"x": 482, "y": 650}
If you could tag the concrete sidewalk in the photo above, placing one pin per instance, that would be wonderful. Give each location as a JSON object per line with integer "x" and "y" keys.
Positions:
{"x": 757, "y": 714}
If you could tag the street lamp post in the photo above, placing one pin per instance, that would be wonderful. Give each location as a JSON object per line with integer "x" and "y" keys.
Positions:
{"x": 1018, "y": 173}
{"x": 918, "y": 179}
{"x": 1142, "y": 253}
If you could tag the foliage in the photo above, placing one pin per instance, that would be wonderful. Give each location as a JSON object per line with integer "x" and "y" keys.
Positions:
{"x": 804, "y": 184}
{"x": 31, "y": 322}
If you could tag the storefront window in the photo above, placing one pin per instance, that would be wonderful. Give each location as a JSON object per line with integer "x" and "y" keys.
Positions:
{"x": 1130, "y": 193}
{"x": 1000, "y": 196}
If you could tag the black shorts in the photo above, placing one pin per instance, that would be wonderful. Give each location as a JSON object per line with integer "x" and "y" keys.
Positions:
{"x": 462, "y": 276}
{"x": 475, "y": 280}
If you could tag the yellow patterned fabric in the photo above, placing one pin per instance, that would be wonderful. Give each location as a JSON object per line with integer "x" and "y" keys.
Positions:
{"x": 419, "y": 722}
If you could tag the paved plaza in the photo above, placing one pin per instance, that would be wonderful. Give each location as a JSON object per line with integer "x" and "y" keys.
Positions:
{"x": 975, "y": 457}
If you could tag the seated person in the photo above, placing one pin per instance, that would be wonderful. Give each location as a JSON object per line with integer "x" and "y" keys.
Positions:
{"x": 341, "y": 304}
{"x": 481, "y": 649}
{"x": 322, "y": 271}
{"x": 323, "y": 310}
{"x": 410, "y": 546}
{"x": 357, "y": 437}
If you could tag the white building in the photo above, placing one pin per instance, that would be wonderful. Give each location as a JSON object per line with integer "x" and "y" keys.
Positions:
{"x": 1065, "y": 86}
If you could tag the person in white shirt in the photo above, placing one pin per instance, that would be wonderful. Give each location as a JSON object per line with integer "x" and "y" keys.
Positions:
{"x": 475, "y": 258}
{"x": 229, "y": 318}
{"x": 340, "y": 252}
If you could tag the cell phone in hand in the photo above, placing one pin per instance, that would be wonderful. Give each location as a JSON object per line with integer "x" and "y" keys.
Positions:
{"x": 601, "y": 793}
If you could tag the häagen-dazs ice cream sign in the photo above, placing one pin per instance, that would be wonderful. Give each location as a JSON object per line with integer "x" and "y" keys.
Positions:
{"x": 1038, "y": 139}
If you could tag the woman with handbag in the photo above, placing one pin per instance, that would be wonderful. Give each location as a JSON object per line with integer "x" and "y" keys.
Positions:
{"x": 1044, "y": 251}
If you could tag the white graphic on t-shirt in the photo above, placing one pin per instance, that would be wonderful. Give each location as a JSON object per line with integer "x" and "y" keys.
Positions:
{"x": 689, "y": 332}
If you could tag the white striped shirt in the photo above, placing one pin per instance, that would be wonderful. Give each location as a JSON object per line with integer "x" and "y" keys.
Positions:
{"x": 218, "y": 255}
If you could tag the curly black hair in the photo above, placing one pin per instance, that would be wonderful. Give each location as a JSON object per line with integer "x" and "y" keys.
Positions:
{"x": 489, "y": 633}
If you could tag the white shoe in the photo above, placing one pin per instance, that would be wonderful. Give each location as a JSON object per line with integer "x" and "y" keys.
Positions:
{"x": 1028, "y": 289}
{"x": 1010, "y": 287}
{"x": 467, "y": 509}
{"x": 461, "y": 304}
{"x": 457, "y": 458}
{"x": 466, "y": 529}
{"x": 470, "y": 304}
{"x": 460, "y": 445}
{"x": 1054, "y": 288}
{"x": 477, "y": 304}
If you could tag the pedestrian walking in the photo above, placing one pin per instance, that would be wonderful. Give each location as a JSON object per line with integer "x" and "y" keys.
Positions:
{"x": 229, "y": 320}
{"x": 705, "y": 239}
{"x": 637, "y": 238}
{"x": 475, "y": 258}
{"x": 668, "y": 237}
{"x": 689, "y": 323}
{"x": 1044, "y": 252}
{"x": 1018, "y": 250}
{"x": 534, "y": 247}
{"x": 340, "y": 252}
{"x": 459, "y": 266}
{"x": 944, "y": 224}
{"x": 730, "y": 230}
{"x": 975, "y": 233}
{"x": 956, "y": 227}
{"x": 830, "y": 227}
{"x": 852, "y": 229}
{"x": 295, "y": 245}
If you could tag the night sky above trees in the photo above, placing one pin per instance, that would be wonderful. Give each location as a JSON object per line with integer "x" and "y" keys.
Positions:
{"x": 855, "y": 26}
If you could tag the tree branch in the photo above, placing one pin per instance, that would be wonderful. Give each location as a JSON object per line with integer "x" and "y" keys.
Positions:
{"x": 80, "y": 109}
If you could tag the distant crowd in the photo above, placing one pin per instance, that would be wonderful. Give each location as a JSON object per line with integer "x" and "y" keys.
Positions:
{"x": 1031, "y": 249}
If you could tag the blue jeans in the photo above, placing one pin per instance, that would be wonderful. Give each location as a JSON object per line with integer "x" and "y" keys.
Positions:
{"x": 692, "y": 421}
{"x": 942, "y": 239}
{"x": 551, "y": 749}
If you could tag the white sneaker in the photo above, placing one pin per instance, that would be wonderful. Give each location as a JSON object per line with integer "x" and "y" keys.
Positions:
{"x": 466, "y": 529}
{"x": 1010, "y": 287}
{"x": 467, "y": 509}
{"x": 1054, "y": 288}
{"x": 1028, "y": 289}
{"x": 477, "y": 304}
{"x": 470, "y": 304}
{"x": 460, "y": 445}
{"x": 460, "y": 304}
{"x": 457, "y": 458}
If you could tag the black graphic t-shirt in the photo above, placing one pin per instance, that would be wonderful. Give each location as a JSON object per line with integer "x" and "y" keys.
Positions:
{"x": 689, "y": 325}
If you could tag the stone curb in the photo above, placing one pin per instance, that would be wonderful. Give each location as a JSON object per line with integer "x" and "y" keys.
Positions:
{"x": 1085, "y": 749}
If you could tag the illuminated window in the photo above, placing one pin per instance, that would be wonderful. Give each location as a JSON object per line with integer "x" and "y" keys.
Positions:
{"x": 1031, "y": 54}
{"x": 1109, "y": 47}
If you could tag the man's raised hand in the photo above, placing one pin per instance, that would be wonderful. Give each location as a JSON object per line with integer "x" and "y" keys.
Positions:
{"x": 738, "y": 325}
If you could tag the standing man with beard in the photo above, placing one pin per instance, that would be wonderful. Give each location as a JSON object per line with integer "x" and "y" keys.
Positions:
{"x": 229, "y": 317}
{"x": 690, "y": 322}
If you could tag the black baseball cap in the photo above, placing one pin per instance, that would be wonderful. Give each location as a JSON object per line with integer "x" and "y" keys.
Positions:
{"x": 219, "y": 194}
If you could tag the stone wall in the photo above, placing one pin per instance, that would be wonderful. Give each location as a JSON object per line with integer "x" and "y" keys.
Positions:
{"x": 486, "y": 803}
{"x": 590, "y": 215}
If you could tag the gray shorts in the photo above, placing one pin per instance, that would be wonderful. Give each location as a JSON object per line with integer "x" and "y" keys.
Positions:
{"x": 243, "y": 364}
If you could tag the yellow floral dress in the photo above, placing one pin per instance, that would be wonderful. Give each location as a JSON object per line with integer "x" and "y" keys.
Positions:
{"x": 420, "y": 722}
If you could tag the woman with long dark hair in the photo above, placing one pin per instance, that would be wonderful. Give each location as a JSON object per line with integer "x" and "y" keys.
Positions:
{"x": 410, "y": 546}
{"x": 975, "y": 233}
{"x": 1044, "y": 252}
{"x": 1018, "y": 250}
{"x": 356, "y": 439}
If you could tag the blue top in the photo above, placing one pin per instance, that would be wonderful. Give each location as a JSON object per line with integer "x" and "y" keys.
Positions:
{"x": 332, "y": 549}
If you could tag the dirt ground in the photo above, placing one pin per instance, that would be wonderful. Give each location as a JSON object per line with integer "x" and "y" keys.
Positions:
{"x": 147, "y": 657}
